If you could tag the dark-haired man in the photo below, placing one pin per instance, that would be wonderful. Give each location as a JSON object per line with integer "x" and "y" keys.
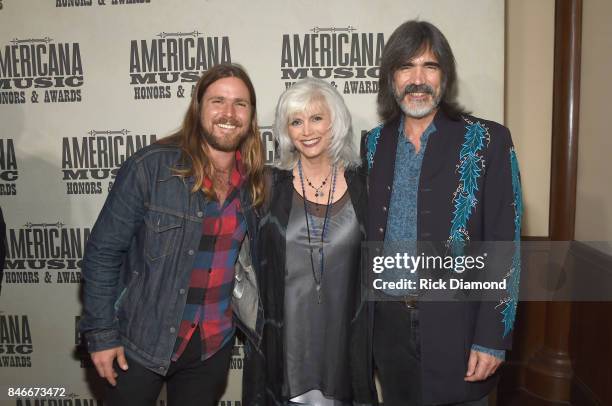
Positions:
{"x": 437, "y": 174}
{"x": 159, "y": 265}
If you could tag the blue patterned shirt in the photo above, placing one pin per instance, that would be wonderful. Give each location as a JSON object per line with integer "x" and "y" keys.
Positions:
{"x": 401, "y": 234}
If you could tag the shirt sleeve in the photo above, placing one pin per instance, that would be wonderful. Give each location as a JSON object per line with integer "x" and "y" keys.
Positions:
{"x": 501, "y": 354}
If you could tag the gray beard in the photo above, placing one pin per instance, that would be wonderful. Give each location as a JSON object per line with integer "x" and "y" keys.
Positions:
{"x": 419, "y": 111}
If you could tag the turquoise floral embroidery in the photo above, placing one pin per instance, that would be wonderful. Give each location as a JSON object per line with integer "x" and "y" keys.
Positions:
{"x": 371, "y": 144}
{"x": 509, "y": 311}
{"x": 470, "y": 167}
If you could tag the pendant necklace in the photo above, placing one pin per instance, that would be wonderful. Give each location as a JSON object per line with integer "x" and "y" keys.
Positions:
{"x": 318, "y": 280}
{"x": 318, "y": 190}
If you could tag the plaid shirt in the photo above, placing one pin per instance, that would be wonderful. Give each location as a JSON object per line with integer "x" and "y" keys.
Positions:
{"x": 208, "y": 304}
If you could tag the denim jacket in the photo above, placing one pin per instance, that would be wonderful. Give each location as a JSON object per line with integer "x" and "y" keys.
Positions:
{"x": 140, "y": 255}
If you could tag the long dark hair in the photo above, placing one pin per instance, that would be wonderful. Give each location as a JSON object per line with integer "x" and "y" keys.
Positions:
{"x": 189, "y": 137}
{"x": 408, "y": 41}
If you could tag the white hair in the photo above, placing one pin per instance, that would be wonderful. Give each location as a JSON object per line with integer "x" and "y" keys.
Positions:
{"x": 298, "y": 98}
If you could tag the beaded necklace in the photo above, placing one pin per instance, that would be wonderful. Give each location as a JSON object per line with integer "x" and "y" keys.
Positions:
{"x": 309, "y": 220}
{"x": 318, "y": 189}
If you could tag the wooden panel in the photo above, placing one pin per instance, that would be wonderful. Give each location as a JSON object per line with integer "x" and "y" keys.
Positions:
{"x": 591, "y": 330}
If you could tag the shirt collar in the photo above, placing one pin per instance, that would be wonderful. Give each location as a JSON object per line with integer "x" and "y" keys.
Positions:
{"x": 431, "y": 128}
{"x": 236, "y": 177}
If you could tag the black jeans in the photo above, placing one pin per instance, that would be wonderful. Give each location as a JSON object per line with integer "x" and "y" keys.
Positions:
{"x": 397, "y": 355}
{"x": 190, "y": 381}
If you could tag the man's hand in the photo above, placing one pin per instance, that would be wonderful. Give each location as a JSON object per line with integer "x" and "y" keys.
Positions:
{"x": 103, "y": 360}
{"x": 481, "y": 366}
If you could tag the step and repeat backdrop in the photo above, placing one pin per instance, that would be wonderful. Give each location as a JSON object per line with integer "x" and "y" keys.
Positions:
{"x": 86, "y": 83}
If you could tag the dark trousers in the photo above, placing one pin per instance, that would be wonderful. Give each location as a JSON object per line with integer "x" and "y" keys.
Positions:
{"x": 397, "y": 355}
{"x": 190, "y": 381}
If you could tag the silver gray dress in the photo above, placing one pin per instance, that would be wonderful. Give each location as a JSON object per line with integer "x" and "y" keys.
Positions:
{"x": 317, "y": 334}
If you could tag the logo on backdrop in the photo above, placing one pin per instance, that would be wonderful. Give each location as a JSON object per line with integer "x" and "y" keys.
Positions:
{"x": 40, "y": 71}
{"x": 90, "y": 163}
{"x": 88, "y": 3}
{"x": 8, "y": 168}
{"x": 15, "y": 341}
{"x": 237, "y": 356}
{"x": 270, "y": 149}
{"x": 73, "y": 3}
{"x": 64, "y": 399}
{"x": 348, "y": 59}
{"x": 44, "y": 253}
{"x": 168, "y": 66}
{"x": 80, "y": 348}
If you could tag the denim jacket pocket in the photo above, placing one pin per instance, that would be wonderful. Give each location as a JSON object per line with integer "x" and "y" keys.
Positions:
{"x": 120, "y": 299}
{"x": 135, "y": 278}
{"x": 162, "y": 232}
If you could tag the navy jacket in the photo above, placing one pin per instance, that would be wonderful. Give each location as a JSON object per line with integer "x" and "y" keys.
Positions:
{"x": 469, "y": 190}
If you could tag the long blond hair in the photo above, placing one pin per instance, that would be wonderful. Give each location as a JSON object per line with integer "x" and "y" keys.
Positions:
{"x": 189, "y": 138}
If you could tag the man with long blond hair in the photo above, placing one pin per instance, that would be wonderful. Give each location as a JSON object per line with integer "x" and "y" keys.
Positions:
{"x": 159, "y": 267}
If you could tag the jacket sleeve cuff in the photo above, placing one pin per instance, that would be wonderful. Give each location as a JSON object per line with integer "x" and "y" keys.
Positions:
{"x": 98, "y": 340}
{"x": 501, "y": 354}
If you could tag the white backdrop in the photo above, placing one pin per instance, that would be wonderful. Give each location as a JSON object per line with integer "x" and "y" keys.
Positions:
{"x": 84, "y": 83}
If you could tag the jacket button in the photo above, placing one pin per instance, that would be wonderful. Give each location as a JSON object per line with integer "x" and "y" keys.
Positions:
{"x": 181, "y": 291}
{"x": 384, "y": 208}
{"x": 380, "y": 230}
{"x": 199, "y": 214}
{"x": 191, "y": 252}
{"x": 388, "y": 187}
{"x": 172, "y": 330}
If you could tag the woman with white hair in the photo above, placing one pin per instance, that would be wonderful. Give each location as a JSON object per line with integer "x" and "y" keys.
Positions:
{"x": 309, "y": 252}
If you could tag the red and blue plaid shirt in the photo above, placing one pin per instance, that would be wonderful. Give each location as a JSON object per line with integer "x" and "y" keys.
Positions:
{"x": 208, "y": 304}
